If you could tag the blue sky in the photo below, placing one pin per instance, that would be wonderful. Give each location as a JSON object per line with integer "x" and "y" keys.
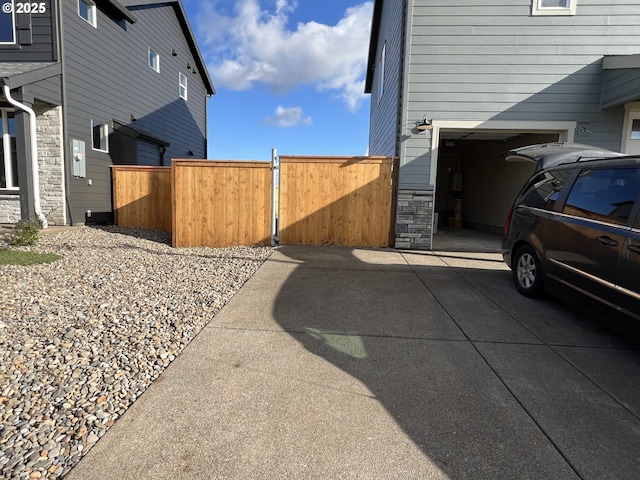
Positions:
{"x": 288, "y": 75}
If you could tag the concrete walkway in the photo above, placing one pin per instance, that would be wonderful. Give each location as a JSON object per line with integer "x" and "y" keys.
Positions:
{"x": 340, "y": 363}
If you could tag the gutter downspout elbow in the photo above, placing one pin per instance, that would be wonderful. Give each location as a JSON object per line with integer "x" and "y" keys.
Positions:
{"x": 34, "y": 154}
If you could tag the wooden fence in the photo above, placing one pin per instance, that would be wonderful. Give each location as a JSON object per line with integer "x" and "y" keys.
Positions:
{"x": 348, "y": 201}
{"x": 221, "y": 204}
{"x": 142, "y": 197}
{"x": 336, "y": 201}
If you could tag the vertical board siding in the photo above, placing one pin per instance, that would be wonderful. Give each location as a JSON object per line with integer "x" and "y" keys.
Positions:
{"x": 335, "y": 201}
{"x": 142, "y": 197}
{"x": 221, "y": 204}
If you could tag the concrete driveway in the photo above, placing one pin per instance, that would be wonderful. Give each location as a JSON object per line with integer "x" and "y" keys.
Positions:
{"x": 346, "y": 363}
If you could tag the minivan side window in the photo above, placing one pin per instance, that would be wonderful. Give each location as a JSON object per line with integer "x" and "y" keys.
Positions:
{"x": 606, "y": 195}
{"x": 544, "y": 189}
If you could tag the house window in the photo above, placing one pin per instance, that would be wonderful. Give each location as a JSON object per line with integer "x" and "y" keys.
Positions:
{"x": 154, "y": 60}
{"x": 383, "y": 61}
{"x": 8, "y": 155}
{"x": 100, "y": 135}
{"x": 553, "y": 7}
{"x": 8, "y": 27}
{"x": 87, "y": 10}
{"x": 183, "y": 86}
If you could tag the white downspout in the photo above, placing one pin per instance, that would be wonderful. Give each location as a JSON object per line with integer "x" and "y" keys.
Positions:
{"x": 34, "y": 154}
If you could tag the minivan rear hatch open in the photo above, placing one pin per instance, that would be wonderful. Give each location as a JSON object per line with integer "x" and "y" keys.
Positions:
{"x": 550, "y": 154}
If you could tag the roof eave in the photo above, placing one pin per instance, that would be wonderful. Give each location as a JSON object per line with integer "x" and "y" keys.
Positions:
{"x": 122, "y": 10}
{"x": 373, "y": 45}
{"x": 191, "y": 39}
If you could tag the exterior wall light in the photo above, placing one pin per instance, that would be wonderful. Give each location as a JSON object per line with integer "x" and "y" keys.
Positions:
{"x": 424, "y": 124}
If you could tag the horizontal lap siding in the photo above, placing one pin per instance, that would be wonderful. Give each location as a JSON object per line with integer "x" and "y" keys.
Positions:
{"x": 107, "y": 78}
{"x": 43, "y": 47}
{"x": 481, "y": 60}
{"x": 385, "y": 110}
{"x": 620, "y": 86}
{"x": 221, "y": 204}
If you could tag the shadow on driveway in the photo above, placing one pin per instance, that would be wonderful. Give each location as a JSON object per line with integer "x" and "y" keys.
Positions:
{"x": 487, "y": 383}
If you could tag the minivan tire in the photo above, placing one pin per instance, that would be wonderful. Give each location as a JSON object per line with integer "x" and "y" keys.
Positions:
{"x": 527, "y": 274}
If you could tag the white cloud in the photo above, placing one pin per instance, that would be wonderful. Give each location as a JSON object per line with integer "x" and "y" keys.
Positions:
{"x": 250, "y": 45}
{"x": 289, "y": 117}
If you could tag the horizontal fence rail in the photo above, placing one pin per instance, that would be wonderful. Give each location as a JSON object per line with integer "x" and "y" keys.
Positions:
{"x": 142, "y": 197}
{"x": 221, "y": 204}
{"x": 336, "y": 200}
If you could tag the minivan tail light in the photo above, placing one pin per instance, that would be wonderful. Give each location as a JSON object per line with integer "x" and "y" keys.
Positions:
{"x": 507, "y": 222}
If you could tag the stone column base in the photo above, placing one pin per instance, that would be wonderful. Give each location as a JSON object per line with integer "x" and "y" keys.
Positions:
{"x": 414, "y": 219}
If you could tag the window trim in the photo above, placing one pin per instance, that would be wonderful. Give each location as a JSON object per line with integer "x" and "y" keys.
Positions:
{"x": 14, "y": 33}
{"x": 6, "y": 146}
{"x": 156, "y": 57}
{"x": 182, "y": 87}
{"x": 631, "y": 113}
{"x": 104, "y": 129}
{"x": 93, "y": 17}
{"x": 538, "y": 10}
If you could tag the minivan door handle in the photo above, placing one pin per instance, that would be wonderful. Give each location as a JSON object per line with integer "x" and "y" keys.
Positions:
{"x": 634, "y": 248}
{"x": 610, "y": 242}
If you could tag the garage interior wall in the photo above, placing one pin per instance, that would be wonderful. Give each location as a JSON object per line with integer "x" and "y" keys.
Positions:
{"x": 489, "y": 183}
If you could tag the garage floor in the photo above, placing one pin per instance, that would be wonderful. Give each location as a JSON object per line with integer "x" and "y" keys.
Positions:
{"x": 465, "y": 240}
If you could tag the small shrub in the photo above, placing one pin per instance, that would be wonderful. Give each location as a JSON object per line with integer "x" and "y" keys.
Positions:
{"x": 25, "y": 233}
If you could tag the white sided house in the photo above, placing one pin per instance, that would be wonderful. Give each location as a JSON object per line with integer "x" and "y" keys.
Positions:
{"x": 454, "y": 84}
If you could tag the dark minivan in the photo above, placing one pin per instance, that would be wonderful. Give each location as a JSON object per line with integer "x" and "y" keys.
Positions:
{"x": 574, "y": 231}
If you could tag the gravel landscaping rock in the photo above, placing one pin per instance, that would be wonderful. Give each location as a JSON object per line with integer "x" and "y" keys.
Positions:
{"x": 83, "y": 337}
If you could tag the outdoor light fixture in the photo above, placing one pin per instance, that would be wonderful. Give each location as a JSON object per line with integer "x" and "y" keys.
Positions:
{"x": 424, "y": 124}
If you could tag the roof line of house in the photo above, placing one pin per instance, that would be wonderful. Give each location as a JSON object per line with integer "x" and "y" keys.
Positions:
{"x": 24, "y": 74}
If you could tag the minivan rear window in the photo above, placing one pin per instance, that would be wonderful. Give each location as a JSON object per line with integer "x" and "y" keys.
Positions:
{"x": 606, "y": 195}
{"x": 544, "y": 189}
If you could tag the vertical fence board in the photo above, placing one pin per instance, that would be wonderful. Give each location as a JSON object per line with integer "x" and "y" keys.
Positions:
{"x": 336, "y": 201}
{"x": 323, "y": 201}
{"x": 142, "y": 197}
{"x": 221, "y": 204}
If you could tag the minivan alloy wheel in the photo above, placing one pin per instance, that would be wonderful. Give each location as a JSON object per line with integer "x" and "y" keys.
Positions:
{"x": 527, "y": 273}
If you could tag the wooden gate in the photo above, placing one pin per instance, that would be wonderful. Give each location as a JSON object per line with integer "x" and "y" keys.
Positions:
{"x": 221, "y": 204}
{"x": 345, "y": 201}
{"x": 348, "y": 201}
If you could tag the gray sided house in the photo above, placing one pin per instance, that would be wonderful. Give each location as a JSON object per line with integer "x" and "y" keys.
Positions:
{"x": 456, "y": 83}
{"x": 86, "y": 84}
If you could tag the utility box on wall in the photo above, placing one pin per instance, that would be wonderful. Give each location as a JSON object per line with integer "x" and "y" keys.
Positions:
{"x": 79, "y": 158}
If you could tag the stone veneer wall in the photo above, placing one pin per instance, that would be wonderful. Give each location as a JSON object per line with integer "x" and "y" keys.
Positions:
{"x": 51, "y": 161}
{"x": 414, "y": 219}
{"x": 51, "y": 171}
